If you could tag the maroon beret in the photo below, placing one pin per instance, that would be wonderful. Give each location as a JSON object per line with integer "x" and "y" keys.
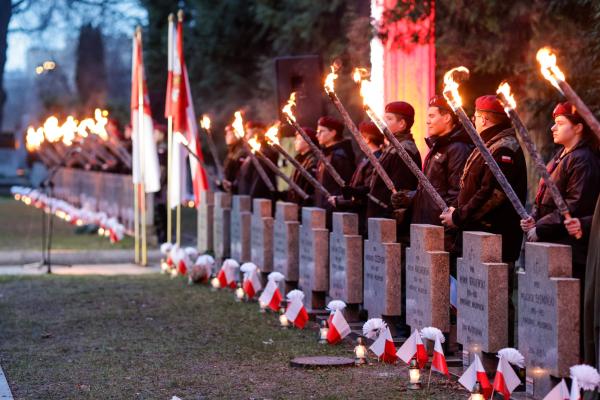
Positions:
{"x": 567, "y": 109}
{"x": 439, "y": 102}
{"x": 403, "y": 109}
{"x": 312, "y": 134}
{"x": 370, "y": 130}
{"x": 332, "y": 123}
{"x": 489, "y": 103}
{"x": 252, "y": 124}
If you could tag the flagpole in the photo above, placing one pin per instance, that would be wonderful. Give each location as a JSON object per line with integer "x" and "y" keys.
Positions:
{"x": 141, "y": 155}
{"x": 178, "y": 220}
{"x": 136, "y": 223}
{"x": 169, "y": 137}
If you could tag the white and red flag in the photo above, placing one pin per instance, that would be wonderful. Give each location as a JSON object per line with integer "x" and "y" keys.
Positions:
{"x": 144, "y": 166}
{"x": 227, "y": 273}
{"x": 338, "y": 328}
{"x": 413, "y": 348}
{"x": 271, "y": 296}
{"x": 505, "y": 380}
{"x": 559, "y": 392}
{"x": 476, "y": 373}
{"x": 383, "y": 347}
{"x": 332, "y": 307}
{"x": 252, "y": 284}
{"x": 296, "y": 312}
{"x": 180, "y": 107}
{"x": 438, "y": 363}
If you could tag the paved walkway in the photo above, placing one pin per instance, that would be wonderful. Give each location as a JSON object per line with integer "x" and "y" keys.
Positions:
{"x": 82, "y": 269}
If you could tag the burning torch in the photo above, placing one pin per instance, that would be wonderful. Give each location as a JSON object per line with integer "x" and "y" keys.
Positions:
{"x": 510, "y": 105}
{"x": 453, "y": 97}
{"x": 555, "y": 76}
{"x": 238, "y": 128}
{"x": 205, "y": 124}
{"x": 366, "y": 92}
{"x": 330, "y": 90}
{"x": 255, "y": 148}
{"x": 273, "y": 140}
{"x": 180, "y": 138}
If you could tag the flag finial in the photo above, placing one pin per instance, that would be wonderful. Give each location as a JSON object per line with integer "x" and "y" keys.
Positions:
{"x": 171, "y": 17}
{"x": 138, "y": 32}
{"x": 180, "y": 15}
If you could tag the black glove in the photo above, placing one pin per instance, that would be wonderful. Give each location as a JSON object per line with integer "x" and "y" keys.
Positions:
{"x": 402, "y": 199}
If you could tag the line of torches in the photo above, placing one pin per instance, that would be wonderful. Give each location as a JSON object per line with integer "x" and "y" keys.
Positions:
{"x": 84, "y": 143}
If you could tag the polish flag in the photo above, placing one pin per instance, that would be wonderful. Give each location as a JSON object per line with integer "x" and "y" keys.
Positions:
{"x": 227, "y": 273}
{"x": 413, "y": 348}
{"x": 332, "y": 307}
{"x": 252, "y": 284}
{"x": 384, "y": 347}
{"x": 180, "y": 107}
{"x": 560, "y": 392}
{"x": 296, "y": 312}
{"x": 438, "y": 363}
{"x": 271, "y": 296}
{"x": 476, "y": 373}
{"x": 144, "y": 165}
{"x": 338, "y": 328}
{"x": 505, "y": 380}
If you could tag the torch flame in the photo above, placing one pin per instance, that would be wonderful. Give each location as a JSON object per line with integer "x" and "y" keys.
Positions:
{"x": 367, "y": 90}
{"x": 330, "y": 81}
{"x": 254, "y": 144}
{"x": 271, "y": 134}
{"x": 287, "y": 109}
{"x": 550, "y": 70}
{"x": 451, "y": 86}
{"x": 238, "y": 125}
{"x": 34, "y": 138}
{"x": 205, "y": 122}
{"x": 504, "y": 89}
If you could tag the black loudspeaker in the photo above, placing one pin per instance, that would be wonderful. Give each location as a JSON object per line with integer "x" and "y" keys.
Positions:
{"x": 303, "y": 75}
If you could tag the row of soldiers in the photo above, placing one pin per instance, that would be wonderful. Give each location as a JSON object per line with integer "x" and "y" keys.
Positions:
{"x": 455, "y": 169}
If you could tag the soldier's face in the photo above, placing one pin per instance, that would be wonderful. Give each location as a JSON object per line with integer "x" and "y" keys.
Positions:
{"x": 325, "y": 136}
{"x": 394, "y": 122}
{"x": 437, "y": 123}
{"x": 480, "y": 121}
{"x": 564, "y": 132}
{"x": 300, "y": 144}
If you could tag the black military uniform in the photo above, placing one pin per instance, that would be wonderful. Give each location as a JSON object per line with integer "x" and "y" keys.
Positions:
{"x": 236, "y": 154}
{"x": 309, "y": 162}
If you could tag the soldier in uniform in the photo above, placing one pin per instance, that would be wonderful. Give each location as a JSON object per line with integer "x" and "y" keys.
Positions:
{"x": 354, "y": 196}
{"x": 338, "y": 151}
{"x": 575, "y": 169}
{"x": 249, "y": 181}
{"x": 399, "y": 117}
{"x": 309, "y": 162}
{"x": 236, "y": 154}
{"x": 449, "y": 146}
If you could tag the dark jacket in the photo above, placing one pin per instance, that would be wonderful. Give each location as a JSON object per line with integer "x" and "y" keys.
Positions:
{"x": 341, "y": 157}
{"x": 443, "y": 167}
{"x": 482, "y": 204}
{"x": 577, "y": 176}
{"x": 355, "y": 197}
{"x": 400, "y": 175}
{"x": 236, "y": 154}
{"x": 249, "y": 181}
{"x": 309, "y": 162}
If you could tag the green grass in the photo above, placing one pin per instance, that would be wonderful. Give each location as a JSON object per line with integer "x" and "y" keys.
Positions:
{"x": 150, "y": 337}
{"x": 20, "y": 229}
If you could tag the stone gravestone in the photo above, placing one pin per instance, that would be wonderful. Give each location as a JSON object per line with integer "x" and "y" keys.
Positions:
{"x": 261, "y": 236}
{"x": 548, "y": 315}
{"x": 345, "y": 261}
{"x": 427, "y": 278}
{"x": 314, "y": 258}
{"x": 482, "y": 295}
{"x": 206, "y": 210}
{"x": 241, "y": 220}
{"x": 285, "y": 244}
{"x": 382, "y": 270}
{"x": 221, "y": 225}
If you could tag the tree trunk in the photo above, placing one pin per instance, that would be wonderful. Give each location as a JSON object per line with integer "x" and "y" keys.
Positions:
{"x": 5, "y": 14}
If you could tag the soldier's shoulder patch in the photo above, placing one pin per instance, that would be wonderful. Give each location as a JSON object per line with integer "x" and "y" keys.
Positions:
{"x": 506, "y": 159}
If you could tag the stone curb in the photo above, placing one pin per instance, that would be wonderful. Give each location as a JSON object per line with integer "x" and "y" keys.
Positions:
{"x": 74, "y": 257}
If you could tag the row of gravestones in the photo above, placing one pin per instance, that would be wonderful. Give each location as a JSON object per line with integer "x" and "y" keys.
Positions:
{"x": 338, "y": 263}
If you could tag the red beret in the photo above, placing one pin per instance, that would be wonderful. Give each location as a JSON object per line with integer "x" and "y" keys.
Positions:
{"x": 489, "y": 103}
{"x": 567, "y": 109}
{"x": 439, "y": 102}
{"x": 370, "y": 130}
{"x": 404, "y": 109}
{"x": 252, "y": 124}
{"x": 332, "y": 123}
{"x": 312, "y": 134}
